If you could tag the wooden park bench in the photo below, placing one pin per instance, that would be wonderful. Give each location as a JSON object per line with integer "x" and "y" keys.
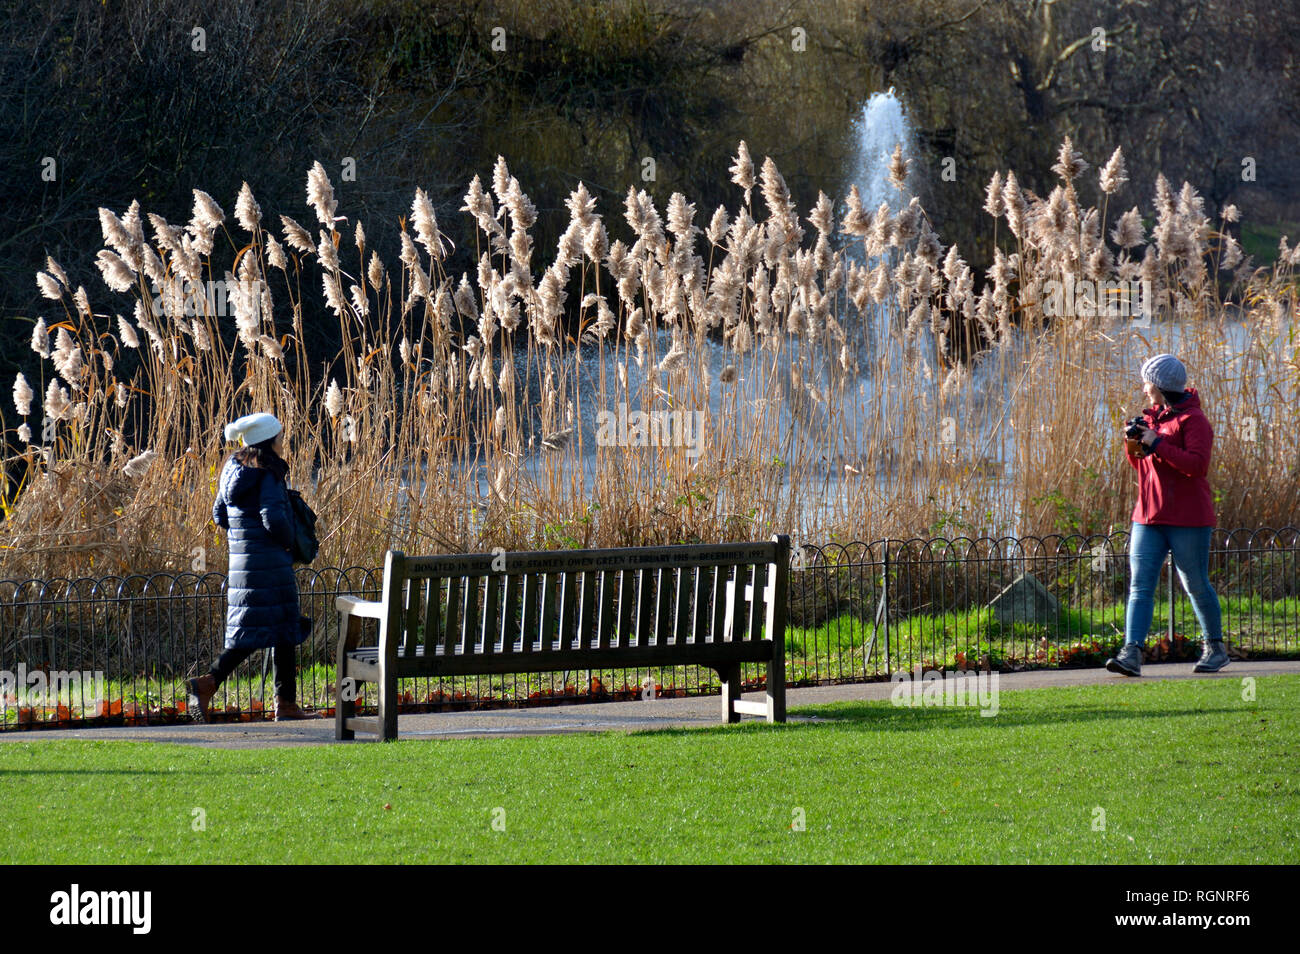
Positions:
{"x": 478, "y": 614}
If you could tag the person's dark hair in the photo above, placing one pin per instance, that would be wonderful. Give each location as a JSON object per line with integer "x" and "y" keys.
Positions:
{"x": 261, "y": 455}
{"x": 1173, "y": 397}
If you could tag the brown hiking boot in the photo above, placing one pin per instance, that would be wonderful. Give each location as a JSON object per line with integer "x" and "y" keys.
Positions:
{"x": 202, "y": 690}
{"x": 289, "y": 712}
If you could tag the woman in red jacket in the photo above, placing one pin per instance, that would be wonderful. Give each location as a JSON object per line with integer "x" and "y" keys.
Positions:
{"x": 1174, "y": 512}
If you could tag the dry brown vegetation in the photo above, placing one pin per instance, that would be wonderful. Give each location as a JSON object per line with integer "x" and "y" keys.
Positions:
{"x": 455, "y": 422}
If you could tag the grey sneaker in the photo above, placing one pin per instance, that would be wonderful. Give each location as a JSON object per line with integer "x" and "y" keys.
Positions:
{"x": 1213, "y": 657}
{"x": 1128, "y": 661}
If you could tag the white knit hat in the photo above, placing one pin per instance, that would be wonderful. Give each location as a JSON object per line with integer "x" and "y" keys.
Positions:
{"x": 253, "y": 428}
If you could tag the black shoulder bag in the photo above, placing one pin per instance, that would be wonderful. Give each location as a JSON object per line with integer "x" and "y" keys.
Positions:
{"x": 305, "y": 545}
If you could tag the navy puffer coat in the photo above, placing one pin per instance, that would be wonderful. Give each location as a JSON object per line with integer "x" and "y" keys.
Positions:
{"x": 261, "y": 592}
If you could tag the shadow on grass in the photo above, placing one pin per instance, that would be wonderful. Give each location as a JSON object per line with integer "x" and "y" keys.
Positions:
{"x": 873, "y": 716}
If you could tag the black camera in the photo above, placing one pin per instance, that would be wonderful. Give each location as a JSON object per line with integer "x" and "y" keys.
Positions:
{"x": 1133, "y": 430}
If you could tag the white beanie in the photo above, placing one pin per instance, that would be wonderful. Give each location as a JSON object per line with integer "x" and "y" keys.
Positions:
{"x": 253, "y": 428}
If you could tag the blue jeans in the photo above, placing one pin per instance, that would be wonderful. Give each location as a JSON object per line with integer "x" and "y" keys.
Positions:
{"x": 1148, "y": 545}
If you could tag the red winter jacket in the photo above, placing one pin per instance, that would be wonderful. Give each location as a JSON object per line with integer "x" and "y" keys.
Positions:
{"x": 1172, "y": 487}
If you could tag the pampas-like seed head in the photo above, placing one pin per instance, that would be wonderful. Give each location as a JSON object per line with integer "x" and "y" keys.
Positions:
{"x": 207, "y": 214}
{"x": 717, "y": 226}
{"x": 1114, "y": 174}
{"x": 898, "y": 168}
{"x": 327, "y": 253}
{"x": 23, "y": 395}
{"x": 1128, "y": 230}
{"x": 994, "y": 203}
{"x": 299, "y": 238}
{"x": 58, "y": 407}
{"x": 247, "y": 211}
{"x": 138, "y": 465}
{"x": 48, "y": 286}
{"x": 857, "y": 221}
{"x": 270, "y": 347}
{"x": 320, "y": 195}
{"x": 742, "y": 170}
{"x": 595, "y": 242}
{"x": 117, "y": 275}
{"x": 41, "y": 338}
{"x": 581, "y": 206}
{"x": 1069, "y": 162}
{"x": 426, "y": 225}
{"x": 275, "y": 253}
{"x": 126, "y": 332}
{"x": 359, "y": 300}
{"x": 1017, "y": 208}
{"x": 200, "y": 334}
{"x": 333, "y": 400}
{"x": 56, "y": 270}
{"x": 501, "y": 178}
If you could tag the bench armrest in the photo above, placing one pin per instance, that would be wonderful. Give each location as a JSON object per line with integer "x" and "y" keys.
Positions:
{"x": 355, "y": 606}
{"x": 351, "y": 611}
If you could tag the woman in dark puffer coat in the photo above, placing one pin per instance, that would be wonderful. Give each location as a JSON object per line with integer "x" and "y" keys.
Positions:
{"x": 252, "y": 505}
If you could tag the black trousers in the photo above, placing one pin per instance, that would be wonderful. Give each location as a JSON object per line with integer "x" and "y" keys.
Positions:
{"x": 286, "y": 666}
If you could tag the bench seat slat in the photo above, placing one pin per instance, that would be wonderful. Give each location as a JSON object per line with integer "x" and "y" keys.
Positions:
{"x": 528, "y": 624}
{"x": 644, "y": 606}
{"x": 491, "y": 615}
{"x": 700, "y": 611}
{"x": 626, "y": 601}
{"x": 739, "y": 622}
{"x": 468, "y": 634}
{"x": 719, "y": 604}
{"x": 509, "y": 625}
{"x": 451, "y": 613}
{"x": 570, "y": 583}
{"x": 549, "y": 583}
{"x": 605, "y": 619}
{"x": 681, "y": 613}
{"x": 664, "y": 587}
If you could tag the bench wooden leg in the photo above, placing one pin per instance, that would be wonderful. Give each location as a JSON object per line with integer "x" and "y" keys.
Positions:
{"x": 345, "y": 708}
{"x": 387, "y": 702}
{"x": 730, "y": 676}
{"x": 776, "y": 686}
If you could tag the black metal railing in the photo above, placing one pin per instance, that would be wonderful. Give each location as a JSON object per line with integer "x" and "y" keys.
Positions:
{"x": 857, "y": 611}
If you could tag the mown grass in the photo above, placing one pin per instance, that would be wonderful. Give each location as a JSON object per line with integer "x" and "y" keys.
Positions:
{"x": 1181, "y": 772}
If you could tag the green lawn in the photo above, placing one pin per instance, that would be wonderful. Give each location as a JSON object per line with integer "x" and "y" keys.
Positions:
{"x": 1185, "y": 771}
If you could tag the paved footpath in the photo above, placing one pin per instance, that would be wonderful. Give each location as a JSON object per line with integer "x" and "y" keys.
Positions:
{"x": 602, "y": 717}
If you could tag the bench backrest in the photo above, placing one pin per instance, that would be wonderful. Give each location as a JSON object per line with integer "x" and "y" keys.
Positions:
{"x": 551, "y": 601}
